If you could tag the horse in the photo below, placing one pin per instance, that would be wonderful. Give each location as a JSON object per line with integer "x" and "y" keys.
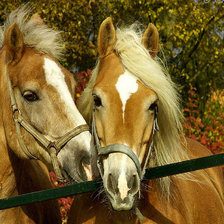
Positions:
{"x": 40, "y": 126}
{"x": 136, "y": 118}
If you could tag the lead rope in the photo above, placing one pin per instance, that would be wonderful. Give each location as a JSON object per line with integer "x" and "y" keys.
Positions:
{"x": 141, "y": 217}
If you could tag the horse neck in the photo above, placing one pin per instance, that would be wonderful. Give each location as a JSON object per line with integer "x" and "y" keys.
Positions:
{"x": 7, "y": 179}
{"x": 15, "y": 171}
{"x": 18, "y": 176}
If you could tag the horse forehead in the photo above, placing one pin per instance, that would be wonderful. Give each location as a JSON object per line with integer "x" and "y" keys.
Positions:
{"x": 56, "y": 78}
{"x": 131, "y": 92}
{"x": 119, "y": 85}
{"x": 53, "y": 73}
{"x": 126, "y": 86}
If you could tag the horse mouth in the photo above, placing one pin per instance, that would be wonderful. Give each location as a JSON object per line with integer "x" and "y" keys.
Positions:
{"x": 117, "y": 204}
{"x": 74, "y": 179}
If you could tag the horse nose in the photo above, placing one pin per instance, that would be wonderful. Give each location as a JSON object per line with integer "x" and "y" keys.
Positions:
{"x": 84, "y": 168}
{"x": 84, "y": 155}
{"x": 134, "y": 184}
{"x": 122, "y": 184}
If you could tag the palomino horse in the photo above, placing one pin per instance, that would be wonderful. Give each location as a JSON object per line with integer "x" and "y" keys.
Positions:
{"x": 39, "y": 119}
{"x": 129, "y": 93}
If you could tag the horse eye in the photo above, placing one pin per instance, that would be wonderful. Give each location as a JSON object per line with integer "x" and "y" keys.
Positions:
{"x": 153, "y": 106}
{"x": 30, "y": 96}
{"x": 97, "y": 101}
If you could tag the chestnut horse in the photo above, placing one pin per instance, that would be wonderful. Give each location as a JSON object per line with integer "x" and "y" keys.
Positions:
{"x": 132, "y": 97}
{"x": 40, "y": 126}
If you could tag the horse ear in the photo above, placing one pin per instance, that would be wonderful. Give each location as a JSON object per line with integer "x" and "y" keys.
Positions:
{"x": 14, "y": 43}
{"x": 36, "y": 17}
{"x": 150, "y": 40}
{"x": 106, "y": 37}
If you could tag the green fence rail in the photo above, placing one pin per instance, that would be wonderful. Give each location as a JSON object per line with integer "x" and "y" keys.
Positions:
{"x": 151, "y": 173}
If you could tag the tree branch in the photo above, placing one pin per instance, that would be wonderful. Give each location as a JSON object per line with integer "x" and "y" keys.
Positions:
{"x": 201, "y": 37}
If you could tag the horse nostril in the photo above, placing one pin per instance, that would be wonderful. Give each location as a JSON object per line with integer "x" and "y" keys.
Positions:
{"x": 83, "y": 160}
{"x": 84, "y": 157}
{"x": 86, "y": 160}
{"x": 134, "y": 184}
{"x": 111, "y": 184}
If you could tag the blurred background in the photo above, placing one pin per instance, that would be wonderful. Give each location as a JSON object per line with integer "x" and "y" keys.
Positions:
{"x": 191, "y": 48}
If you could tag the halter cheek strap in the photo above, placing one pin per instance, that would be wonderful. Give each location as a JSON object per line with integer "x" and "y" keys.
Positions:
{"x": 49, "y": 149}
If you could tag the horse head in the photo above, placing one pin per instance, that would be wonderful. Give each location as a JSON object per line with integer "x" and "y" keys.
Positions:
{"x": 44, "y": 92}
{"x": 124, "y": 116}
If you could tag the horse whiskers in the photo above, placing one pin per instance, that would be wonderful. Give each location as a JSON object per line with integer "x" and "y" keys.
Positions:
{"x": 106, "y": 204}
{"x": 145, "y": 187}
{"x": 99, "y": 193}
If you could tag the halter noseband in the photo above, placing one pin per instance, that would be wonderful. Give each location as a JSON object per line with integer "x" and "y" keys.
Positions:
{"x": 121, "y": 148}
{"x": 52, "y": 148}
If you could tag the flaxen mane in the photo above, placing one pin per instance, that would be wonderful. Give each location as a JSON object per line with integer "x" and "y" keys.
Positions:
{"x": 40, "y": 37}
{"x": 136, "y": 59}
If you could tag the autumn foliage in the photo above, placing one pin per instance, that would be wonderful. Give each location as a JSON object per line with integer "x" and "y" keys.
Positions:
{"x": 191, "y": 47}
{"x": 209, "y": 129}
{"x": 64, "y": 203}
{"x": 191, "y": 34}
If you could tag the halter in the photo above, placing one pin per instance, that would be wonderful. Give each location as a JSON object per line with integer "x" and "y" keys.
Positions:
{"x": 121, "y": 148}
{"x": 50, "y": 148}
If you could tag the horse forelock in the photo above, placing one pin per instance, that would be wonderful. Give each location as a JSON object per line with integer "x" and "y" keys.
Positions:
{"x": 35, "y": 35}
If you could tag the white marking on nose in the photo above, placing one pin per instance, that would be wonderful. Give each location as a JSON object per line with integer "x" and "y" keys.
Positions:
{"x": 123, "y": 186}
{"x": 126, "y": 86}
{"x": 55, "y": 78}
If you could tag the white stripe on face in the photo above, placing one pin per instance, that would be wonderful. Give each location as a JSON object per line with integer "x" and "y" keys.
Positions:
{"x": 123, "y": 186}
{"x": 122, "y": 180}
{"x": 126, "y": 86}
{"x": 55, "y": 78}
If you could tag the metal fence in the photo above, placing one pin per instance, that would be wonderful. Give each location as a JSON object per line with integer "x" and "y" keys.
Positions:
{"x": 79, "y": 188}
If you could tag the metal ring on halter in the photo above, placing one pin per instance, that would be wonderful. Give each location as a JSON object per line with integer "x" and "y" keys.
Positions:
{"x": 14, "y": 111}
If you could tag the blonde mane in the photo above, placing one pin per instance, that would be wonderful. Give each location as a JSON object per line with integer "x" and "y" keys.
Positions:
{"x": 40, "y": 37}
{"x": 136, "y": 59}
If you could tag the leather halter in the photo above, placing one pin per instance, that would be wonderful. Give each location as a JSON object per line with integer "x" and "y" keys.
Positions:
{"x": 50, "y": 148}
{"x": 121, "y": 148}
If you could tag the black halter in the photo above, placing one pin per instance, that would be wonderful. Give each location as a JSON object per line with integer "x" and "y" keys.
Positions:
{"x": 121, "y": 148}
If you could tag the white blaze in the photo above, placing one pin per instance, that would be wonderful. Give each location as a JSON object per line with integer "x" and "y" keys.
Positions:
{"x": 55, "y": 78}
{"x": 126, "y": 86}
{"x": 122, "y": 180}
{"x": 123, "y": 186}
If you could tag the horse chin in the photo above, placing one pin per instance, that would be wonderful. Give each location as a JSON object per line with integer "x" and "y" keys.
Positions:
{"x": 122, "y": 205}
{"x": 76, "y": 177}
{"x": 76, "y": 169}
